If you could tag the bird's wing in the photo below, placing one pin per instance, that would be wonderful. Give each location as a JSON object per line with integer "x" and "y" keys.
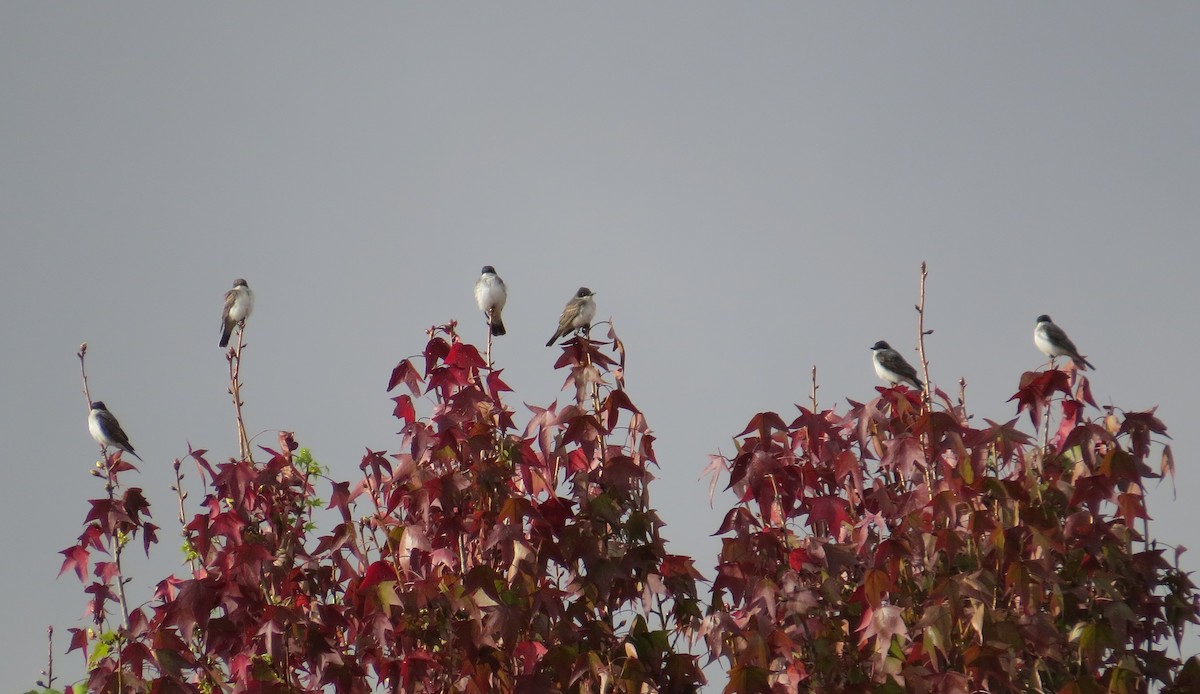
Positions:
{"x": 230, "y": 297}
{"x": 113, "y": 429}
{"x": 897, "y": 364}
{"x": 567, "y": 319}
{"x": 1059, "y": 337}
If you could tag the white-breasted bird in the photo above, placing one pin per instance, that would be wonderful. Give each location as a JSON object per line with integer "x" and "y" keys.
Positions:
{"x": 892, "y": 367}
{"x": 1053, "y": 342}
{"x": 491, "y": 295}
{"x": 239, "y": 302}
{"x": 107, "y": 431}
{"x": 577, "y": 314}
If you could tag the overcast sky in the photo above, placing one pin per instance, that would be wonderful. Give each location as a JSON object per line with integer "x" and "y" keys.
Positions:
{"x": 750, "y": 190}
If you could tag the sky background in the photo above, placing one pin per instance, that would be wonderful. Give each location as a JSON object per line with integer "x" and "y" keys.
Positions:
{"x": 750, "y": 189}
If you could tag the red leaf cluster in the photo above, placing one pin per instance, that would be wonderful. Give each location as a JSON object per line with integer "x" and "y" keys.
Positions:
{"x": 893, "y": 547}
{"x": 899, "y": 548}
{"x": 475, "y": 558}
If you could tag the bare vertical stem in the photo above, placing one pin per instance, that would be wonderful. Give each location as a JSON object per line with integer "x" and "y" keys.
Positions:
{"x": 1045, "y": 429}
{"x": 181, "y": 495}
{"x": 921, "y": 334}
{"x": 489, "y": 345}
{"x": 81, "y": 354}
{"x": 235, "y": 389}
{"x": 813, "y": 393}
{"x": 49, "y": 671}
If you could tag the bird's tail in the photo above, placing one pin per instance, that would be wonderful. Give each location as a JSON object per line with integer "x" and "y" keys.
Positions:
{"x": 497, "y": 326}
{"x": 225, "y": 333}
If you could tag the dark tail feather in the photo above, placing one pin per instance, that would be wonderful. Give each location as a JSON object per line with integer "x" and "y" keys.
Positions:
{"x": 225, "y": 333}
{"x": 1083, "y": 364}
{"x": 551, "y": 340}
{"x": 498, "y": 327}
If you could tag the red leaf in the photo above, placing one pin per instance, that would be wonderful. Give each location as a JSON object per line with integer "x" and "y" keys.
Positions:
{"x": 406, "y": 374}
{"x": 435, "y": 351}
{"x": 1037, "y": 387}
{"x": 831, "y": 510}
{"x": 1083, "y": 391}
{"x": 1139, "y": 426}
{"x": 465, "y": 356}
{"x": 610, "y": 409}
{"x": 377, "y": 572}
{"x": 79, "y": 639}
{"x": 76, "y": 558}
{"x": 495, "y": 386}
{"x": 904, "y": 455}
{"x": 340, "y": 499}
{"x": 764, "y": 423}
{"x": 1072, "y": 415}
{"x": 404, "y": 409}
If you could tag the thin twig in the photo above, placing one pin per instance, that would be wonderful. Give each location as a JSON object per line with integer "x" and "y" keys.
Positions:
{"x": 86, "y": 395}
{"x": 49, "y": 671}
{"x": 926, "y": 400}
{"x": 489, "y": 334}
{"x": 181, "y": 495}
{"x": 235, "y": 389}
{"x": 813, "y": 394}
{"x": 921, "y": 335}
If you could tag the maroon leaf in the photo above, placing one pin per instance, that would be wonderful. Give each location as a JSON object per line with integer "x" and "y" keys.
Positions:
{"x": 76, "y": 558}
{"x": 1037, "y": 387}
{"x": 404, "y": 409}
{"x": 405, "y": 373}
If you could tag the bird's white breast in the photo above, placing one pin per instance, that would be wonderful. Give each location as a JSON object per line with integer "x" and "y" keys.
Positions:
{"x": 94, "y": 428}
{"x": 243, "y": 304}
{"x": 880, "y": 370}
{"x": 587, "y": 311}
{"x": 1042, "y": 340}
{"x": 489, "y": 293}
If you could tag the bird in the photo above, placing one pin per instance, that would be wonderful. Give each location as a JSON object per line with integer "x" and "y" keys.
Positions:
{"x": 577, "y": 314}
{"x": 892, "y": 367}
{"x": 239, "y": 302}
{"x": 107, "y": 431}
{"x": 1053, "y": 342}
{"x": 490, "y": 294}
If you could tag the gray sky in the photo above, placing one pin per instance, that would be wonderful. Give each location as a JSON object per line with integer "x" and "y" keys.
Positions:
{"x": 749, "y": 189}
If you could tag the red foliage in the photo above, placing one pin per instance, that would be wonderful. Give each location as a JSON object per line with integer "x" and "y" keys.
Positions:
{"x": 474, "y": 559}
{"x": 894, "y": 547}
{"x": 964, "y": 559}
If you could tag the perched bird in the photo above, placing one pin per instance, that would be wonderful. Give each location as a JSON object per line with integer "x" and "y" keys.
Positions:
{"x": 239, "y": 302}
{"x": 490, "y": 294}
{"x": 107, "y": 432}
{"x": 1053, "y": 342}
{"x": 892, "y": 367}
{"x": 577, "y": 314}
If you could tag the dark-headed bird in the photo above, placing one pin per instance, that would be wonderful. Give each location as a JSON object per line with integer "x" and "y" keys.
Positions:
{"x": 491, "y": 295}
{"x": 1053, "y": 342}
{"x": 577, "y": 314}
{"x": 239, "y": 302}
{"x": 107, "y": 431}
{"x": 892, "y": 367}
